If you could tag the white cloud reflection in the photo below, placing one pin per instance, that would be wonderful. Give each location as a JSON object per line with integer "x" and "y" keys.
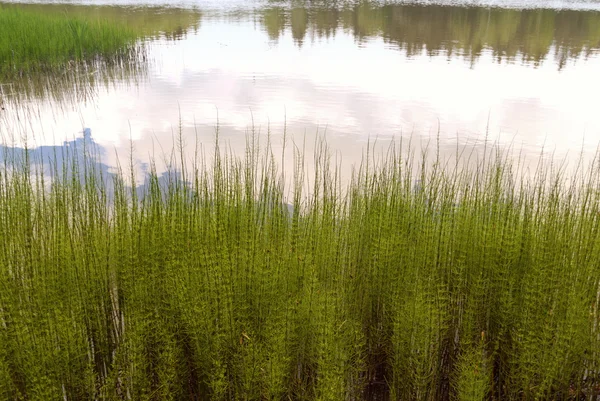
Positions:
{"x": 355, "y": 91}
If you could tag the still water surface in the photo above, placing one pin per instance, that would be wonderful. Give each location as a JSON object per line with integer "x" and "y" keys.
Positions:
{"x": 526, "y": 74}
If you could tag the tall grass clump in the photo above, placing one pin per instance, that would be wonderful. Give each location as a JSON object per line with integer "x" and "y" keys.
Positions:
{"x": 33, "y": 42}
{"x": 435, "y": 280}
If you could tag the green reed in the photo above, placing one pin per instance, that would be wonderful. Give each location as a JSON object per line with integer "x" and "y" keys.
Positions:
{"x": 477, "y": 282}
{"x": 33, "y": 42}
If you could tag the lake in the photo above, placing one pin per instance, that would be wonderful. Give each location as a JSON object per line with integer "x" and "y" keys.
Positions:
{"x": 522, "y": 74}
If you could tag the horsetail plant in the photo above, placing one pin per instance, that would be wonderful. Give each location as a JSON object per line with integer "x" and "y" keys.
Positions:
{"x": 416, "y": 280}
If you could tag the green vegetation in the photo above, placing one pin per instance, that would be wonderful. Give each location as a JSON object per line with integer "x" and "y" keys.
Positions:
{"x": 149, "y": 22}
{"x": 59, "y": 78}
{"x": 474, "y": 284}
{"x": 32, "y": 42}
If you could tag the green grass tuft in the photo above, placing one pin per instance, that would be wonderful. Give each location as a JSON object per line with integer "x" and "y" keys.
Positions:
{"x": 33, "y": 42}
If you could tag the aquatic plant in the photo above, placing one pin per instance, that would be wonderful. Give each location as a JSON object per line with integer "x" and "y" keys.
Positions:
{"x": 32, "y": 42}
{"x": 482, "y": 283}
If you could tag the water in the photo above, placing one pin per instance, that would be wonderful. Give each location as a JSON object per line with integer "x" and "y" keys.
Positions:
{"x": 523, "y": 74}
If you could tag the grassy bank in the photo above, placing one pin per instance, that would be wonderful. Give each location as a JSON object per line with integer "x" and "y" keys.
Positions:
{"x": 148, "y": 21}
{"x": 472, "y": 285}
{"x": 32, "y": 42}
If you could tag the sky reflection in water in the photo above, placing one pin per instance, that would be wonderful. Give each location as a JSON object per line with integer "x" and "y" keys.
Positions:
{"x": 367, "y": 71}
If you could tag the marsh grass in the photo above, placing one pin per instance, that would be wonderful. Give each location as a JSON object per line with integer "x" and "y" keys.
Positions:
{"x": 33, "y": 42}
{"x": 478, "y": 284}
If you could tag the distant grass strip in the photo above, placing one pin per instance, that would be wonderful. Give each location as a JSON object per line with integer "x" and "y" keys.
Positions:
{"x": 472, "y": 285}
{"x": 35, "y": 42}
